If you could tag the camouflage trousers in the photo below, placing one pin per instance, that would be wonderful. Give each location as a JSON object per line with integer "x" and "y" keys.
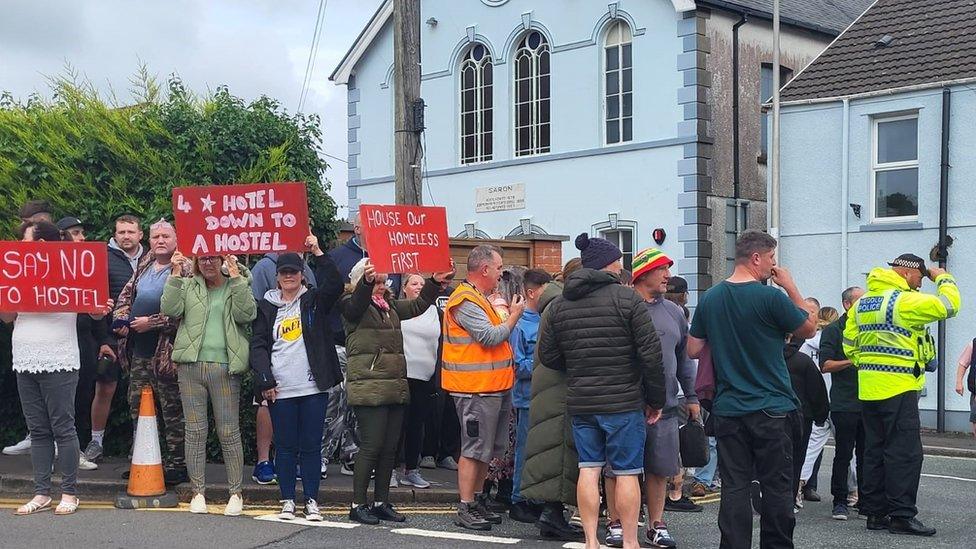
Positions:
{"x": 339, "y": 435}
{"x": 169, "y": 409}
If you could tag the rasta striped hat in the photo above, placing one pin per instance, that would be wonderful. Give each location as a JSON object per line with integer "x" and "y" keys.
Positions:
{"x": 648, "y": 260}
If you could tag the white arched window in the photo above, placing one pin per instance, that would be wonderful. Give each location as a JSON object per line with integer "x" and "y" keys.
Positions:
{"x": 618, "y": 84}
{"x": 476, "y": 120}
{"x": 532, "y": 122}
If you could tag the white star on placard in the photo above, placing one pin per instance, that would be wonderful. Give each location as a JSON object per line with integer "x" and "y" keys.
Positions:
{"x": 208, "y": 204}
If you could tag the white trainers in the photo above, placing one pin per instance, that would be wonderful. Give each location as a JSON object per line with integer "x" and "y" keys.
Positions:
{"x": 198, "y": 504}
{"x": 86, "y": 465}
{"x": 324, "y": 470}
{"x": 393, "y": 480}
{"x": 235, "y": 506}
{"x": 287, "y": 509}
{"x": 312, "y": 513}
{"x": 413, "y": 478}
{"x": 21, "y": 448}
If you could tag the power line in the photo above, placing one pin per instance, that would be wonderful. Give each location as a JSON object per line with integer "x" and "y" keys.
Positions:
{"x": 313, "y": 50}
{"x": 343, "y": 160}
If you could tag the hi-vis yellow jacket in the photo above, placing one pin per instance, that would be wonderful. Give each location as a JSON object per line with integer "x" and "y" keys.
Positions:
{"x": 886, "y": 338}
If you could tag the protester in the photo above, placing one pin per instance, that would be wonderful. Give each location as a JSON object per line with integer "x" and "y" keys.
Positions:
{"x": 808, "y": 385}
{"x": 477, "y": 371}
{"x": 293, "y": 373}
{"x": 146, "y": 344}
{"x": 264, "y": 277}
{"x": 966, "y": 362}
{"x": 810, "y": 470}
{"x": 662, "y": 456}
{"x": 551, "y": 466}
{"x": 845, "y": 409}
{"x": 523, "y": 341}
{"x": 613, "y": 385}
{"x": 888, "y": 342}
{"x": 46, "y": 362}
{"x": 754, "y": 411}
{"x": 421, "y": 350}
{"x": 211, "y": 348}
{"x": 377, "y": 375}
{"x": 442, "y": 432}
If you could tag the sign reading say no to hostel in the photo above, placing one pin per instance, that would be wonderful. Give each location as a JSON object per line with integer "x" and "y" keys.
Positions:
{"x": 62, "y": 277}
{"x": 406, "y": 239}
{"x": 241, "y": 219}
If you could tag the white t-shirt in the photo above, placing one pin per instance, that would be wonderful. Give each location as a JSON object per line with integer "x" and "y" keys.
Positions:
{"x": 421, "y": 336}
{"x": 45, "y": 342}
{"x": 811, "y": 348}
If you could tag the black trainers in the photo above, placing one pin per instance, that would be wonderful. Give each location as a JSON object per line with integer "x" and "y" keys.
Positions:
{"x": 525, "y": 512}
{"x": 481, "y": 502}
{"x": 386, "y": 511}
{"x": 363, "y": 515}
{"x": 683, "y": 505}
{"x": 658, "y": 536}
{"x": 469, "y": 516}
{"x": 909, "y": 526}
{"x": 840, "y": 512}
{"x": 878, "y": 523}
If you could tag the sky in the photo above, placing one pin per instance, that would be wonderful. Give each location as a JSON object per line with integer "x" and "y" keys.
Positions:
{"x": 255, "y": 47}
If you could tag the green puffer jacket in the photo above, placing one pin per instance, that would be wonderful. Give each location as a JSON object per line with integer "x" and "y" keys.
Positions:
{"x": 188, "y": 299}
{"x": 551, "y": 464}
{"x": 376, "y": 370}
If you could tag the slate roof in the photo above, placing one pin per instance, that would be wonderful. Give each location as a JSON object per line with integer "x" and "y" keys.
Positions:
{"x": 826, "y": 16}
{"x": 933, "y": 41}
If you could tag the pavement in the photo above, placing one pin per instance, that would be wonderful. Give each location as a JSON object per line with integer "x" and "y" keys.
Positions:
{"x": 945, "y": 501}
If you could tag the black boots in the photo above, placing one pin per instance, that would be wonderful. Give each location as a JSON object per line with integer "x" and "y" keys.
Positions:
{"x": 909, "y": 526}
{"x": 552, "y": 524}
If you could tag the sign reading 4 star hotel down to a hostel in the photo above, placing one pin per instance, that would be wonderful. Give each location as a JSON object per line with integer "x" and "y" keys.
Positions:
{"x": 241, "y": 219}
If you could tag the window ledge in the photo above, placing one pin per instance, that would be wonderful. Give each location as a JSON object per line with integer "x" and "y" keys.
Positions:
{"x": 902, "y": 226}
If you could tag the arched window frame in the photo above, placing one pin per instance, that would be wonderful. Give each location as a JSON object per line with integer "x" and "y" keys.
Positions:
{"x": 618, "y": 83}
{"x": 475, "y": 105}
{"x": 531, "y": 94}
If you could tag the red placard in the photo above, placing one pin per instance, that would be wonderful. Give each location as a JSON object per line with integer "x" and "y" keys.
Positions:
{"x": 241, "y": 219}
{"x": 53, "y": 277}
{"x": 404, "y": 239}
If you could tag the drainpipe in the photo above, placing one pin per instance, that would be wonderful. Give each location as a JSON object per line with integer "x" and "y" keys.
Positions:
{"x": 844, "y": 196}
{"x": 943, "y": 251}
{"x": 735, "y": 113}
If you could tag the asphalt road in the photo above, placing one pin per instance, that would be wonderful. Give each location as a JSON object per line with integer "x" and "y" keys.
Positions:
{"x": 947, "y": 497}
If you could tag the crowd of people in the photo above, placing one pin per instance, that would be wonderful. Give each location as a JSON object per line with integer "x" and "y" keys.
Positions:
{"x": 542, "y": 390}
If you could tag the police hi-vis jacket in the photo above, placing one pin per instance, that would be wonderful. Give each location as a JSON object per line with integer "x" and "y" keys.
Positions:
{"x": 886, "y": 338}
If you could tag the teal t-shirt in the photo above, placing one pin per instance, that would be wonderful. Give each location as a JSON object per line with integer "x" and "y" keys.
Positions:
{"x": 745, "y": 325}
{"x": 214, "y": 345}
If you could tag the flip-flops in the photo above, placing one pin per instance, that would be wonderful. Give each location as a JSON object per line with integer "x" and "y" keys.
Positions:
{"x": 32, "y": 507}
{"x": 67, "y": 507}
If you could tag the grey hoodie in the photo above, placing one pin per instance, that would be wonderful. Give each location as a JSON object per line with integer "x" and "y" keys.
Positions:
{"x": 289, "y": 360}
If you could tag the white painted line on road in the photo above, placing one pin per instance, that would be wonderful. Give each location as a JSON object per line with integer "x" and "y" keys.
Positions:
{"x": 950, "y": 478}
{"x": 302, "y": 522}
{"x": 578, "y": 545}
{"x": 455, "y": 535}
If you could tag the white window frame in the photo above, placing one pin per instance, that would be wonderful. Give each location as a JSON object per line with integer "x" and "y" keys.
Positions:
{"x": 620, "y": 83}
{"x": 604, "y": 227}
{"x": 535, "y": 99}
{"x": 479, "y": 107}
{"x": 890, "y": 166}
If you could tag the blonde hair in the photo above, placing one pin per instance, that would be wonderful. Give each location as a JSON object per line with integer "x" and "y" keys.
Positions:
{"x": 827, "y": 316}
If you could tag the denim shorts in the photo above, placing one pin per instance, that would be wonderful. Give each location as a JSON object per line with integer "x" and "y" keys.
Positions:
{"x": 614, "y": 439}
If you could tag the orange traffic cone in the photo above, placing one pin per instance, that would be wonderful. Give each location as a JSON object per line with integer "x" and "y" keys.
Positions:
{"x": 146, "y": 486}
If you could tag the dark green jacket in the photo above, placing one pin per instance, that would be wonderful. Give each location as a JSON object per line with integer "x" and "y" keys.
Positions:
{"x": 376, "y": 371}
{"x": 551, "y": 463}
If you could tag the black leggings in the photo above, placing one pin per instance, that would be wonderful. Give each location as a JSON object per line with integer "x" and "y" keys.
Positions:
{"x": 422, "y": 395}
{"x": 379, "y": 433}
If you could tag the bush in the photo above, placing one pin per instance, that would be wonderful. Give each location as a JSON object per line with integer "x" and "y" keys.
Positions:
{"x": 97, "y": 160}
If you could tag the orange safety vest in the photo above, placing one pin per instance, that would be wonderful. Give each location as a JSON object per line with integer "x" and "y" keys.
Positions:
{"x": 469, "y": 366}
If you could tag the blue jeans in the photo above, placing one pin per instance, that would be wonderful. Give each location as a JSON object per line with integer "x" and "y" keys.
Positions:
{"x": 617, "y": 439}
{"x": 298, "y": 424}
{"x": 521, "y": 438}
{"x": 706, "y": 474}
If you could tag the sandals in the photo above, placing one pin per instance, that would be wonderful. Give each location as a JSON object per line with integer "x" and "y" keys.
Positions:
{"x": 67, "y": 507}
{"x": 32, "y": 507}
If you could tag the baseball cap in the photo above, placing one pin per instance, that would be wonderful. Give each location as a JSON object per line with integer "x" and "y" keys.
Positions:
{"x": 677, "y": 285}
{"x": 290, "y": 261}
{"x": 910, "y": 261}
{"x": 66, "y": 223}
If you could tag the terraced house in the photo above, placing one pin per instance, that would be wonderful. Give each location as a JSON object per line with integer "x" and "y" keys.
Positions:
{"x": 635, "y": 120}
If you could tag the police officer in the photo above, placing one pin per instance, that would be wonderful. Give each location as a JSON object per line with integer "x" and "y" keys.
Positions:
{"x": 888, "y": 342}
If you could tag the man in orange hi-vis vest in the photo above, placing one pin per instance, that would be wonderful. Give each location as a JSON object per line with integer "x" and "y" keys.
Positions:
{"x": 478, "y": 372}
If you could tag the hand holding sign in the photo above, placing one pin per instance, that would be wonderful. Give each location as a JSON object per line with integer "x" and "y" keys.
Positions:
{"x": 312, "y": 243}
{"x": 370, "y": 273}
{"x": 233, "y": 268}
{"x": 444, "y": 278}
{"x": 179, "y": 262}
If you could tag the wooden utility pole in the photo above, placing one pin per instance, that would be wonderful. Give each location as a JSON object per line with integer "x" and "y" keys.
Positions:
{"x": 406, "y": 92}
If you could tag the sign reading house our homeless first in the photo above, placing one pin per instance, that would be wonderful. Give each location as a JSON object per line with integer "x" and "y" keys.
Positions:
{"x": 406, "y": 239}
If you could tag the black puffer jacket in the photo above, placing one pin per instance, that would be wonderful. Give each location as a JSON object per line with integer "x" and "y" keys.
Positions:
{"x": 602, "y": 335}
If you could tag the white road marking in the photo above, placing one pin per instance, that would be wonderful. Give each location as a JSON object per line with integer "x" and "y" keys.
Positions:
{"x": 578, "y": 545}
{"x": 455, "y": 535}
{"x": 950, "y": 478}
{"x": 302, "y": 522}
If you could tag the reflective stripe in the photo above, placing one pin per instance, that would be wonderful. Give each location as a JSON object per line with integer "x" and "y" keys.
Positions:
{"x": 882, "y": 349}
{"x": 946, "y": 281}
{"x": 890, "y": 311}
{"x": 458, "y": 340}
{"x": 948, "y": 305}
{"x": 482, "y": 367}
{"x": 849, "y": 342}
{"x": 888, "y": 368}
{"x": 886, "y": 328}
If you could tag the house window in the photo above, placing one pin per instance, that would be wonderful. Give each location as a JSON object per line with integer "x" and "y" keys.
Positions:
{"x": 618, "y": 84}
{"x": 736, "y": 216}
{"x": 766, "y": 95}
{"x": 476, "y": 105}
{"x": 894, "y": 167}
{"x": 532, "y": 86}
{"x": 623, "y": 237}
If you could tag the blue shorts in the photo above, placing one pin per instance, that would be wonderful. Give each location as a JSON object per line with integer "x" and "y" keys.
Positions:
{"x": 617, "y": 439}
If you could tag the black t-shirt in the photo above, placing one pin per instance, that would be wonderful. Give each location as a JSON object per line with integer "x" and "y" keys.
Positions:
{"x": 843, "y": 384}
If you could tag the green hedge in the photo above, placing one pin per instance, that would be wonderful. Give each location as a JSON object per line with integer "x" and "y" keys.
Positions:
{"x": 97, "y": 159}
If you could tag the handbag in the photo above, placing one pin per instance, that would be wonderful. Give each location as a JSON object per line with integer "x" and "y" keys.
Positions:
{"x": 693, "y": 444}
